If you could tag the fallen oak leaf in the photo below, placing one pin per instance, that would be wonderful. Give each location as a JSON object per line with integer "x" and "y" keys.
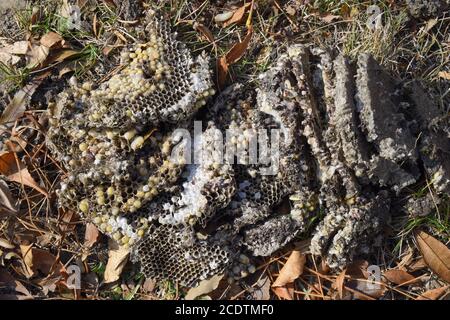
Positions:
{"x": 204, "y": 287}
{"x": 117, "y": 259}
{"x": 292, "y": 269}
{"x": 435, "y": 253}
{"x": 433, "y": 294}
{"x": 14, "y": 170}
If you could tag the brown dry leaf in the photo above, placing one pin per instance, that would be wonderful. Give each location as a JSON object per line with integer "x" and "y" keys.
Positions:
{"x": 62, "y": 55}
{"x": 8, "y": 59}
{"x": 286, "y": 292}
{"x": 291, "y": 270}
{"x": 17, "y": 48}
{"x": 14, "y": 170}
{"x": 204, "y": 31}
{"x": 117, "y": 259}
{"x": 444, "y": 75}
{"x": 238, "y": 15}
{"x": 340, "y": 279}
{"x": 91, "y": 235}
{"x": 204, "y": 287}
{"x": 238, "y": 50}
{"x": 37, "y": 55}
{"x": 67, "y": 220}
{"x": 7, "y": 204}
{"x": 15, "y": 109}
{"x": 235, "y": 53}
{"x": 329, "y": 18}
{"x": 417, "y": 265}
{"x": 222, "y": 71}
{"x": 149, "y": 285}
{"x": 435, "y": 253}
{"x": 433, "y": 294}
{"x": 51, "y": 40}
{"x": 6, "y": 244}
{"x": 7, "y": 280}
{"x": 261, "y": 289}
{"x": 398, "y": 276}
{"x": 40, "y": 260}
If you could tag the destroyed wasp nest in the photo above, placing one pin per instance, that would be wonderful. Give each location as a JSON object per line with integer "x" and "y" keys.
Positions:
{"x": 347, "y": 148}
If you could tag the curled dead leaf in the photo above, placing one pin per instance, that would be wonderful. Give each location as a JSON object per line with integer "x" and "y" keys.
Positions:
{"x": 238, "y": 50}
{"x": 435, "y": 253}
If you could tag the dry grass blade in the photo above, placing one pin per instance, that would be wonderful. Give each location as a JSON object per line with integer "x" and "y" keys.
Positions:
{"x": 435, "y": 253}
